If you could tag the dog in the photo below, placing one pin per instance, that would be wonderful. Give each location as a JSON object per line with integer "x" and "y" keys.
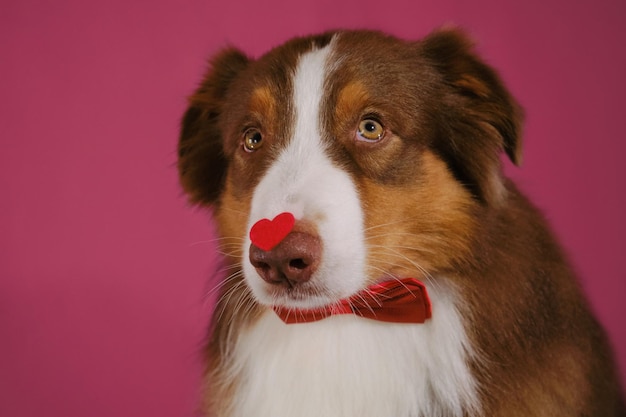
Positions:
{"x": 378, "y": 261}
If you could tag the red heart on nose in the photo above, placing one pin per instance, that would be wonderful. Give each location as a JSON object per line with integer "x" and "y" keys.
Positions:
{"x": 266, "y": 233}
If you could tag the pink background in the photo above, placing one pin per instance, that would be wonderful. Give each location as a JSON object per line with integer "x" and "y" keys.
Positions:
{"x": 103, "y": 266}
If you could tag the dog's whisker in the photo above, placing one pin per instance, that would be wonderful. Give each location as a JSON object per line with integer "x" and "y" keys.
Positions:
{"x": 373, "y": 296}
{"x": 226, "y": 298}
{"x": 251, "y": 305}
{"x": 242, "y": 305}
{"x": 201, "y": 242}
{"x": 232, "y": 243}
{"x": 428, "y": 276}
{"x": 405, "y": 220}
{"x": 224, "y": 282}
{"x": 219, "y": 239}
{"x": 420, "y": 250}
{"x": 423, "y": 235}
{"x": 385, "y": 272}
{"x": 393, "y": 277}
{"x": 235, "y": 253}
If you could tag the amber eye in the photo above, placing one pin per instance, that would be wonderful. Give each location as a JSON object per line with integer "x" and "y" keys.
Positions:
{"x": 252, "y": 140}
{"x": 370, "y": 130}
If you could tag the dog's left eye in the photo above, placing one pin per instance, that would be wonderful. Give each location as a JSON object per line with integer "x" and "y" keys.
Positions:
{"x": 252, "y": 140}
{"x": 370, "y": 130}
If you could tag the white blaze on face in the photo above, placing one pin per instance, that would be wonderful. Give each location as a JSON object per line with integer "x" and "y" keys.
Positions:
{"x": 304, "y": 181}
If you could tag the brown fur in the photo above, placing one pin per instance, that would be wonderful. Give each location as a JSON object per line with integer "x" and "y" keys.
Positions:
{"x": 435, "y": 203}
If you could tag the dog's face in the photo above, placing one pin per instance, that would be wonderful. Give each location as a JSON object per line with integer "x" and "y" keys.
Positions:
{"x": 385, "y": 152}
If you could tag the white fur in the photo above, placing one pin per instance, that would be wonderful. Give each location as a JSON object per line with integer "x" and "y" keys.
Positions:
{"x": 343, "y": 366}
{"x": 347, "y": 366}
{"x": 304, "y": 181}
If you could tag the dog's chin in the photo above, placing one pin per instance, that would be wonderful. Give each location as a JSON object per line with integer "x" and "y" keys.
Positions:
{"x": 303, "y": 297}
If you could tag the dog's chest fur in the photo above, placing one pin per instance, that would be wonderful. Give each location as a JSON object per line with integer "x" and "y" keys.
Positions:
{"x": 347, "y": 366}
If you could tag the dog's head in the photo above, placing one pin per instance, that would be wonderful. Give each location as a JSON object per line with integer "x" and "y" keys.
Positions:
{"x": 386, "y": 152}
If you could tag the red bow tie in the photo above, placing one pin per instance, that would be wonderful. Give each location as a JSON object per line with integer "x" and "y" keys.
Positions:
{"x": 395, "y": 301}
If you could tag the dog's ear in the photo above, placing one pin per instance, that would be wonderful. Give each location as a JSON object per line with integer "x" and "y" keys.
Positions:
{"x": 201, "y": 160}
{"x": 479, "y": 120}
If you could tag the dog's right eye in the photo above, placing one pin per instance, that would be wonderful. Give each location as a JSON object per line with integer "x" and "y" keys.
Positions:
{"x": 252, "y": 140}
{"x": 370, "y": 130}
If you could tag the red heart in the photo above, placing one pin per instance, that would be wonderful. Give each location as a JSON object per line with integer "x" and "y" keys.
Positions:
{"x": 266, "y": 234}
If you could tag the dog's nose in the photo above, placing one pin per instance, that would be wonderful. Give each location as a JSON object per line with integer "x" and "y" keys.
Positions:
{"x": 291, "y": 262}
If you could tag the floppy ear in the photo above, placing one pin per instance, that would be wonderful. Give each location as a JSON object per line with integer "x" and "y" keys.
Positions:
{"x": 201, "y": 161}
{"x": 481, "y": 119}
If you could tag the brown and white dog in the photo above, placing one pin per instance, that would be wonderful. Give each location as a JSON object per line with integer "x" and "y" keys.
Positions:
{"x": 380, "y": 158}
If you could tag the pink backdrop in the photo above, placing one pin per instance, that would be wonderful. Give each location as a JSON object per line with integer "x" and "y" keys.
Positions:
{"x": 103, "y": 266}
